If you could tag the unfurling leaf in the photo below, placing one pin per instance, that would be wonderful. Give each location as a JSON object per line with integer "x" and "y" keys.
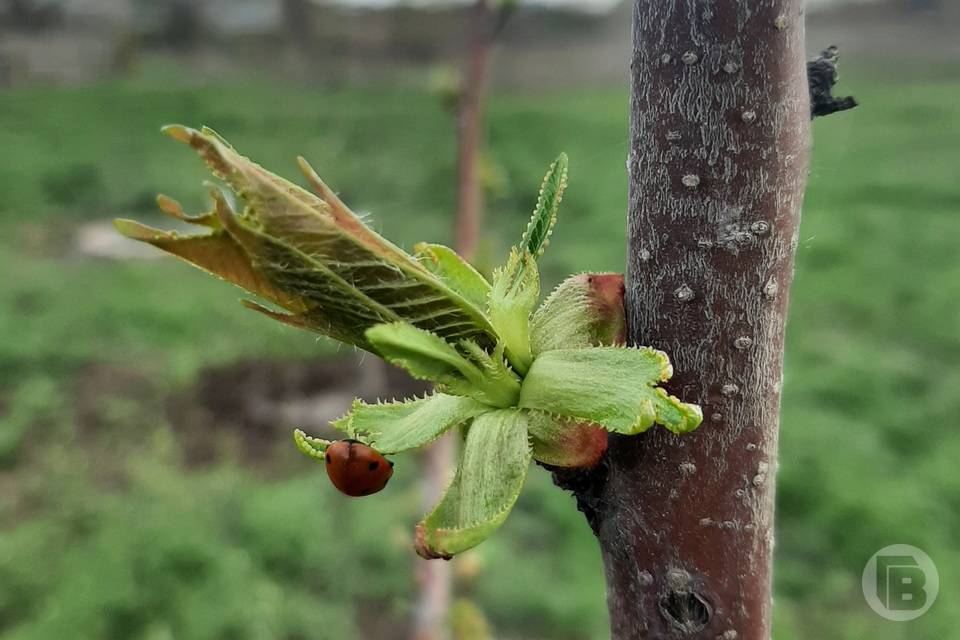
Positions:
{"x": 216, "y": 253}
{"x": 537, "y": 235}
{"x": 516, "y": 287}
{"x": 427, "y": 356}
{"x": 495, "y": 369}
{"x": 398, "y": 426}
{"x": 310, "y": 446}
{"x": 565, "y": 442}
{"x": 493, "y": 465}
{"x": 457, "y": 273}
{"x": 334, "y": 273}
{"x": 515, "y": 292}
{"x": 585, "y": 310}
{"x": 611, "y": 386}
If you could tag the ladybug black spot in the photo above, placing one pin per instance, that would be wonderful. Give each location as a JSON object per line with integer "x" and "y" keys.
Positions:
{"x": 373, "y": 465}
{"x": 391, "y": 463}
{"x": 327, "y": 457}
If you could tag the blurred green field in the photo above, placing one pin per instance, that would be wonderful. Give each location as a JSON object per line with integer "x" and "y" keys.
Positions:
{"x": 106, "y": 533}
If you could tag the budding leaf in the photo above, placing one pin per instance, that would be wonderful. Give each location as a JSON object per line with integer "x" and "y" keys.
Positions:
{"x": 537, "y": 235}
{"x": 337, "y": 275}
{"x": 217, "y": 253}
{"x": 397, "y": 426}
{"x": 516, "y": 287}
{"x": 457, "y": 273}
{"x": 427, "y": 356}
{"x": 496, "y": 371}
{"x": 310, "y": 446}
{"x": 565, "y": 442}
{"x": 515, "y": 292}
{"x": 334, "y": 306}
{"x": 493, "y": 465}
{"x": 611, "y": 386}
{"x": 585, "y": 310}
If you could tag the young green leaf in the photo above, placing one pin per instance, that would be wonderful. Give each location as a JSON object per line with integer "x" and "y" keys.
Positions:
{"x": 310, "y": 446}
{"x": 515, "y": 292}
{"x": 216, "y": 253}
{"x": 494, "y": 366}
{"x": 330, "y": 306}
{"x": 611, "y": 386}
{"x": 320, "y": 300}
{"x": 537, "y": 235}
{"x": 316, "y": 320}
{"x": 427, "y": 356}
{"x": 312, "y": 247}
{"x": 397, "y": 426}
{"x": 493, "y": 465}
{"x": 173, "y": 209}
{"x": 457, "y": 273}
{"x": 333, "y": 305}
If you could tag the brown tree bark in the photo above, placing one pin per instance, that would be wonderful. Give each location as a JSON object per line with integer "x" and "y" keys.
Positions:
{"x": 719, "y": 138}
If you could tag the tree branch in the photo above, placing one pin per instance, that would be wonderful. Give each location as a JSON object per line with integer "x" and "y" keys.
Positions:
{"x": 719, "y": 140}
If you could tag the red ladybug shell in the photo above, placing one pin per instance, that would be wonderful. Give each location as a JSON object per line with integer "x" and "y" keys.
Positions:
{"x": 356, "y": 469}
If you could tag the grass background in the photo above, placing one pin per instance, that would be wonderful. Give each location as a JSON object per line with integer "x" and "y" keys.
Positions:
{"x": 107, "y": 532}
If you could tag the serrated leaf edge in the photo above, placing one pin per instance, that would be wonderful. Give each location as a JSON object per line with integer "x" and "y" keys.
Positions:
{"x": 542, "y": 206}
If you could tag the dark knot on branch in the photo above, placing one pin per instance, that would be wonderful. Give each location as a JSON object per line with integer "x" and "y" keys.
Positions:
{"x": 821, "y": 76}
{"x": 586, "y": 485}
{"x": 686, "y": 611}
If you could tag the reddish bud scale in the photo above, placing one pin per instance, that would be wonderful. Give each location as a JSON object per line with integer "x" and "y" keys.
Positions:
{"x": 606, "y": 295}
{"x": 579, "y": 445}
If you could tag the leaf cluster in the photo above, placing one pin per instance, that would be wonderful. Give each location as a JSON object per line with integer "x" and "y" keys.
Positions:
{"x": 522, "y": 383}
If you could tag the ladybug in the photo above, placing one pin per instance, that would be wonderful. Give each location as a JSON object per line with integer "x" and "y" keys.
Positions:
{"x": 356, "y": 469}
